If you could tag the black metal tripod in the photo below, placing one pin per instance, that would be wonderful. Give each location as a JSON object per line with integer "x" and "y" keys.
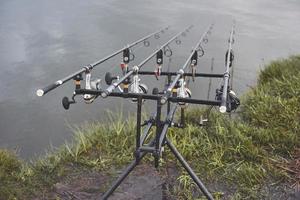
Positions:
{"x": 225, "y": 97}
{"x": 156, "y": 144}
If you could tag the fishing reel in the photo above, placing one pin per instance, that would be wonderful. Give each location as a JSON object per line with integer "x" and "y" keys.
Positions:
{"x": 233, "y": 101}
{"x": 136, "y": 86}
{"x": 182, "y": 91}
{"x": 65, "y": 100}
{"x": 91, "y": 85}
{"x": 129, "y": 85}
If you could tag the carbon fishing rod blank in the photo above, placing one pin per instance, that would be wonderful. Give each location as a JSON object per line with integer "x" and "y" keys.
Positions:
{"x": 180, "y": 72}
{"x": 111, "y": 88}
{"x": 45, "y": 90}
{"x": 225, "y": 97}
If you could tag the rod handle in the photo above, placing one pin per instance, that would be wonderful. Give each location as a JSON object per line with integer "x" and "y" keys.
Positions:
{"x": 41, "y": 92}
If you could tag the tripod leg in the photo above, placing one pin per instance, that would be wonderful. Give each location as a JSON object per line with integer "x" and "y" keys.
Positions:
{"x": 138, "y": 128}
{"x": 189, "y": 170}
{"x": 130, "y": 167}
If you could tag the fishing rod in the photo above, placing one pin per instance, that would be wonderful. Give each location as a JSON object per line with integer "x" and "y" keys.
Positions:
{"x": 192, "y": 60}
{"x": 88, "y": 68}
{"x": 228, "y": 63}
{"x": 175, "y": 93}
{"x": 136, "y": 68}
{"x": 228, "y": 98}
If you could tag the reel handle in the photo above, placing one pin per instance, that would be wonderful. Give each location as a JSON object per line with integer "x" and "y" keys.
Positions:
{"x": 66, "y": 102}
{"x": 109, "y": 78}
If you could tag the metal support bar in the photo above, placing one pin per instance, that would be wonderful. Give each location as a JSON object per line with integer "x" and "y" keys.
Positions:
{"x": 182, "y": 117}
{"x": 158, "y": 132}
{"x": 169, "y": 103}
{"x": 121, "y": 178}
{"x": 150, "y": 97}
{"x": 205, "y": 75}
{"x": 116, "y": 184}
{"x": 147, "y": 129}
{"x": 166, "y": 126}
{"x": 147, "y": 149}
{"x": 189, "y": 170}
{"x": 138, "y": 128}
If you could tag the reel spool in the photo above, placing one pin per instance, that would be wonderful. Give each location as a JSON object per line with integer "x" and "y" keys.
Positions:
{"x": 233, "y": 101}
{"x": 91, "y": 85}
{"x": 142, "y": 88}
{"x": 136, "y": 86}
{"x": 183, "y": 92}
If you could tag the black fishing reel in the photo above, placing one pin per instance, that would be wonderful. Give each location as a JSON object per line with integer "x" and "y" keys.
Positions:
{"x": 233, "y": 101}
{"x": 65, "y": 100}
{"x": 182, "y": 92}
{"x": 136, "y": 86}
{"x": 91, "y": 84}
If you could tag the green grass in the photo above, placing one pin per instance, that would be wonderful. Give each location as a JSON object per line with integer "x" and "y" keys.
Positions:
{"x": 241, "y": 154}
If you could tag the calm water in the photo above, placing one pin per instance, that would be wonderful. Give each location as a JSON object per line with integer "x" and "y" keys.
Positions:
{"x": 43, "y": 41}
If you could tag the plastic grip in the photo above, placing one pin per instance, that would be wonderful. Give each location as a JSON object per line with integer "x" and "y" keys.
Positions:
{"x": 42, "y": 92}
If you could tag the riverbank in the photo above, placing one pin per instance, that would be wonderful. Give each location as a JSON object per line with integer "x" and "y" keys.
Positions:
{"x": 254, "y": 155}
